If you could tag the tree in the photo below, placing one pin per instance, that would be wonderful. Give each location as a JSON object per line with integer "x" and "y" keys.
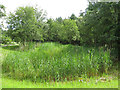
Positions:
{"x": 64, "y": 31}
{"x": 60, "y": 20}
{"x": 70, "y": 31}
{"x": 41, "y": 25}
{"x": 49, "y": 31}
{"x": 24, "y": 25}
{"x": 99, "y": 24}
{"x": 73, "y": 17}
{"x": 2, "y": 11}
{"x": 57, "y": 27}
{"x": 53, "y": 29}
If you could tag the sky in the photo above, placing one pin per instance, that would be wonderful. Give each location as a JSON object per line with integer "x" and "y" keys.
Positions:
{"x": 54, "y": 8}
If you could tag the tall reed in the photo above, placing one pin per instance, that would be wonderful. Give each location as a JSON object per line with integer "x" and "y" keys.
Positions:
{"x": 53, "y": 61}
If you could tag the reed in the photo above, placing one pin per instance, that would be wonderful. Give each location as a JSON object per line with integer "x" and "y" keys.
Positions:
{"x": 56, "y": 62}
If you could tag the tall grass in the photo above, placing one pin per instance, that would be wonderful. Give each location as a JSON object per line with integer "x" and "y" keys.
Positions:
{"x": 53, "y": 61}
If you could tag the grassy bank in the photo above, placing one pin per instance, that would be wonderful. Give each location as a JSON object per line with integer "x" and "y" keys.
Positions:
{"x": 10, "y": 83}
{"x": 55, "y": 62}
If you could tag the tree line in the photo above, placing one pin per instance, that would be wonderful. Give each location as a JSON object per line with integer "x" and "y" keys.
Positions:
{"x": 98, "y": 26}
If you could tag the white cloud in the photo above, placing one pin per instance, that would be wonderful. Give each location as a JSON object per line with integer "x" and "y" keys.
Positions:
{"x": 54, "y": 8}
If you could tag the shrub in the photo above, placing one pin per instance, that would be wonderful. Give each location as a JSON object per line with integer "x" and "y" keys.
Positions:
{"x": 6, "y": 40}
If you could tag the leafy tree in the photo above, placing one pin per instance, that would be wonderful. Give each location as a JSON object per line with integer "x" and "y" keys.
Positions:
{"x": 60, "y": 20}
{"x": 40, "y": 14}
{"x": 24, "y": 25}
{"x": 70, "y": 32}
{"x": 41, "y": 26}
{"x": 56, "y": 28}
{"x": 99, "y": 24}
{"x": 49, "y": 31}
{"x": 73, "y": 17}
{"x": 45, "y": 32}
{"x": 53, "y": 29}
{"x": 2, "y": 11}
{"x": 5, "y": 39}
{"x": 65, "y": 31}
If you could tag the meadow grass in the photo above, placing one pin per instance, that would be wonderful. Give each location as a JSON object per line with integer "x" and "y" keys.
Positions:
{"x": 11, "y": 83}
{"x": 54, "y": 62}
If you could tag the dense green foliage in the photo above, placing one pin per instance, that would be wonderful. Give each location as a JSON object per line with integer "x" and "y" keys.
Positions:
{"x": 2, "y": 14}
{"x": 95, "y": 31}
{"x": 22, "y": 24}
{"x": 102, "y": 18}
{"x": 2, "y": 10}
{"x": 97, "y": 26}
{"x": 65, "y": 31}
{"x": 25, "y": 24}
{"x": 52, "y": 61}
{"x": 5, "y": 39}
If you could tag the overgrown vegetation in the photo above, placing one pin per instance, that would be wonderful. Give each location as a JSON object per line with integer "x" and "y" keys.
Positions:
{"x": 97, "y": 26}
{"x": 66, "y": 49}
{"x": 53, "y": 61}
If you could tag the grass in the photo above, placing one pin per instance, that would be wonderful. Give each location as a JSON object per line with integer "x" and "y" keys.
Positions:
{"x": 53, "y": 65}
{"x": 10, "y": 83}
{"x": 53, "y": 61}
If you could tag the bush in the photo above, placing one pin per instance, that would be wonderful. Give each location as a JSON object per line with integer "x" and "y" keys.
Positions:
{"x": 6, "y": 40}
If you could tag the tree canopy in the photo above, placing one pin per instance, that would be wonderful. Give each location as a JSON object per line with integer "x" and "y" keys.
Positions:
{"x": 24, "y": 25}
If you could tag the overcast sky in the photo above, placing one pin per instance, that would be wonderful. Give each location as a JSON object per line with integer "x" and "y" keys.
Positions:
{"x": 54, "y": 8}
